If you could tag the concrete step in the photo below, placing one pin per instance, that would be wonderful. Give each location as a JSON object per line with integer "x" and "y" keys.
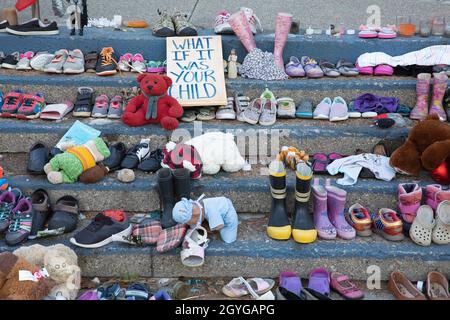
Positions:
{"x": 255, "y": 255}
{"x": 154, "y": 48}
{"x": 249, "y": 191}
{"x": 254, "y": 142}
{"x": 56, "y": 86}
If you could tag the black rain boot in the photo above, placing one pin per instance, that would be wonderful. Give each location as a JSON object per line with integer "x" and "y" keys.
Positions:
{"x": 182, "y": 184}
{"x": 166, "y": 194}
{"x": 279, "y": 226}
{"x": 303, "y": 227}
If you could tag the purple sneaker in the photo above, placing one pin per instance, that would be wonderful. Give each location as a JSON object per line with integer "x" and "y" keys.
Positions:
{"x": 294, "y": 68}
{"x": 322, "y": 111}
{"x": 311, "y": 67}
{"x": 336, "y": 205}
{"x": 20, "y": 227}
{"x": 325, "y": 229}
{"x": 409, "y": 198}
{"x": 339, "y": 110}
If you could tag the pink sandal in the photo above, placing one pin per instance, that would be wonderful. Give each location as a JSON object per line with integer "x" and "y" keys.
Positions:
{"x": 342, "y": 285}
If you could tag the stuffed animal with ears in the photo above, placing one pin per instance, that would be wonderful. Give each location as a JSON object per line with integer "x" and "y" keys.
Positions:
{"x": 291, "y": 156}
{"x": 427, "y": 146}
{"x": 154, "y": 105}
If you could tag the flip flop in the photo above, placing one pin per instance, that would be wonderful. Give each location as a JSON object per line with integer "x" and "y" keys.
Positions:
{"x": 319, "y": 163}
{"x": 319, "y": 280}
{"x": 342, "y": 285}
{"x": 292, "y": 285}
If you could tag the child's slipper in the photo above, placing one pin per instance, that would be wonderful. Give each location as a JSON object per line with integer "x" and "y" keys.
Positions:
{"x": 364, "y": 70}
{"x": 237, "y": 288}
{"x": 342, "y": 285}
{"x": 206, "y": 114}
{"x": 189, "y": 116}
{"x": 319, "y": 280}
{"x": 291, "y": 283}
{"x": 319, "y": 163}
{"x": 383, "y": 70}
{"x": 294, "y": 68}
{"x": 56, "y": 111}
{"x": 304, "y": 109}
{"x": 347, "y": 68}
{"x": 38, "y": 156}
{"x": 329, "y": 69}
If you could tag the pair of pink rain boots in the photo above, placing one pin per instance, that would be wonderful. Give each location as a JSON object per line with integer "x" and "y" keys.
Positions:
{"x": 424, "y": 81}
{"x": 241, "y": 28}
{"x": 410, "y": 197}
{"x": 329, "y": 206}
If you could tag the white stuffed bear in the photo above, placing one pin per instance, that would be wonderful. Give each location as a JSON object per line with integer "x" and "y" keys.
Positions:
{"x": 218, "y": 150}
{"x": 61, "y": 263}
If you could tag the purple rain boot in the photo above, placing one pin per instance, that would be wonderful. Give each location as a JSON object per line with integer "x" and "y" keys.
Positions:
{"x": 336, "y": 205}
{"x": 439, "y": 87}
{"x": 420, "y": 111}
{"x": 325, "y": 229}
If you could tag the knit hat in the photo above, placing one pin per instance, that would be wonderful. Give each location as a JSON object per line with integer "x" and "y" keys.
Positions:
{"x": 182, "y": 211}
{"x": 98, "y": 149}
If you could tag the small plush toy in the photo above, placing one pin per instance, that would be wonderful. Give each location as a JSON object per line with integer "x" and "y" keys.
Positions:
{"x": 61, "y": 263}
{"x": 68, "y": 166}
{"x": 218, "y": 150}
{"x": 154, "y": 105}
{"x": 11, "y": 288}
{"x": 427, "y": 146}
{"x": 291, "y": 156}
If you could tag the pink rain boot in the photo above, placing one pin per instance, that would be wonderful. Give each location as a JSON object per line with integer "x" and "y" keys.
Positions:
{"x": 420, "y": 111}
{"x": 336, "y": 205}
{"x": 241, "y": 28}
{"x": 325, "y": 229}
{"x": 409, "y": 198}
{"x": 439, "y": 87}
{"x": 283, "y": 25}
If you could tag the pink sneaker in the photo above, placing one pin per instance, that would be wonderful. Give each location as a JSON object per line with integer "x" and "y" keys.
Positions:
{"x": 125, "y": 62}
{"x": 409, "y": 198}
{"x": 435, "y": 195}
{"x": 221, "y": 25}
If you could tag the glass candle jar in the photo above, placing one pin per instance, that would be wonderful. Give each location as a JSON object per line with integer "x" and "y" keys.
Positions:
{"x": 447, "y": 27}
{"x": 438, "y": 26}
{"x": 425, "y": 28}
{"x": 405, "y": 26}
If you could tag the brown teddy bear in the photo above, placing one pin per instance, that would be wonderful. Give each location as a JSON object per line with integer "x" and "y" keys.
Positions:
{"x": 13, "y": 289}
{"x": 427, "y": 146}
{"x": 154, "y": 105}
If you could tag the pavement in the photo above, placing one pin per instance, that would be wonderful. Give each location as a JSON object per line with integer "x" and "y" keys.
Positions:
{"x": 317, "y": 13}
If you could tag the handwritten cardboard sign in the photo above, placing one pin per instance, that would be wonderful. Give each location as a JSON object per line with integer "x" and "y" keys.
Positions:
{"x": 195, "y": 65}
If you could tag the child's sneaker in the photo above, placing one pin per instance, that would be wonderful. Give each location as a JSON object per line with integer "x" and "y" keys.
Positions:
{"x": 74, "y": 63}
{"x": 387, "y": 224}
{"x": 359, "y": 218}
{"x": 8, "y": 201}
{"x": 101, "y": 107}
{"x": 255, "y": 23}
{"x": 164, "y": 26}
{"x": 11, "y": 61}
{"x": 115, "y": 107}
{"x": 136, "y": 154}
{"x": 222, "y": 26}
{"x": 435, "y": 195}
{"x": 107, "y": 63}
{"x": 31, "y": 107}
{"x": 56, "y": 65}
{"x": 125, "y": 62}
{"x": 20, "y": 226}
{"x": 183, "y": 27}
{"x": 409, "y": 198}
{"x": 138, "y": 63}
{"x": 11, "y": 104}
{"x": 24, "y": 62}
{"x": 40, "y": 60}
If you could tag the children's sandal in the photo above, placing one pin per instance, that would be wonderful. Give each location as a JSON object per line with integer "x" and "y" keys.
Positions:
{"x": 194, "y": 245}
{"x": 342, "y": 285}
{"x": 239, "y": 287}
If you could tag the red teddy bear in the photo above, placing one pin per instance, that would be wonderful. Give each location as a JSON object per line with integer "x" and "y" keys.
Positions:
{"x": 154, "y": 105}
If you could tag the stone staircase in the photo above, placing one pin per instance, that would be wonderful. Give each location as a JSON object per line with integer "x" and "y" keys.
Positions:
{"x": 254, "y": 254}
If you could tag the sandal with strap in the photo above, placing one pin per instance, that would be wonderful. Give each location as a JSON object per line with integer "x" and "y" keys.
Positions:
{"x": 194, "y": 245}
{"x": 342, "y": 285}
{"x": 256, "y": 287}
{"x": 84, "y": 103}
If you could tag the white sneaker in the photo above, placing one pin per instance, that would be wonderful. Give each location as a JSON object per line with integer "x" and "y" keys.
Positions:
{"x": 255, "y": 23}
{"x": 125, "y": 62}
{"x": 40, "y": 60}
{"x": 143, "y": 150}
{"x": 24, "y": 62}
{"x": 222, "y": 26}
{"x": 138, "y": 63}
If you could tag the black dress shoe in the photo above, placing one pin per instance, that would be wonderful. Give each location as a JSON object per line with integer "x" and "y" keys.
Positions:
{"x": 153, "y": 162}
{"x": 118, "y": 152}
{"x": 38, "y": 157}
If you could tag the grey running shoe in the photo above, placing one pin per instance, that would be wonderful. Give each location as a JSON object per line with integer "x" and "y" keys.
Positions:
{"x": 182, "y": 26}
{"x": 115, "y": 108}
{"x": 56, "y": 65}
{"x": 74, "y": 63}
{"x": 164, "y": 26}
{"x": 24, "y": 62}
{"x": 101, "y": 107}
{"x": 40, "y": 60}
{"x": 253, "y": 112}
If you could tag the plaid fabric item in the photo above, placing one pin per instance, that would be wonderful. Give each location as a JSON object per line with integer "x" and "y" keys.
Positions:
{"x": 174, "y": 159}
{"x": 171, "y": 238}
{"x": 148, "y": 231}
